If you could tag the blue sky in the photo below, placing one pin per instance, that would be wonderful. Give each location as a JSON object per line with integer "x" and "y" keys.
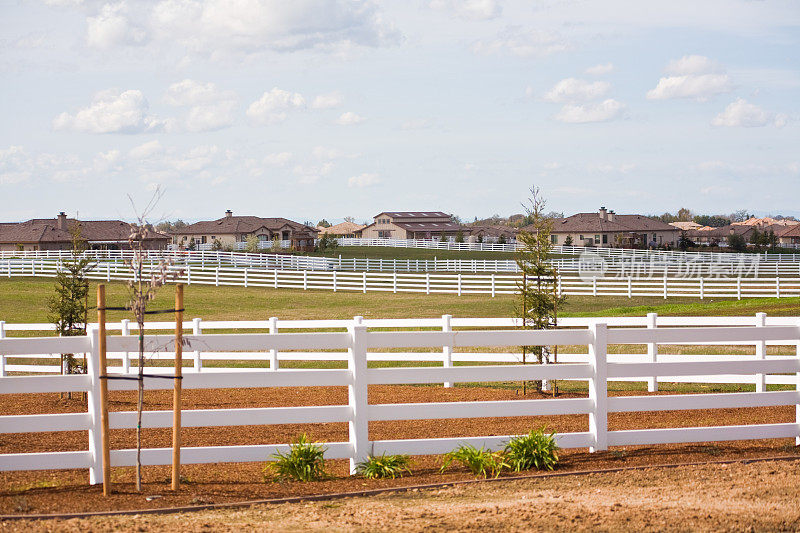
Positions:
{"x": 330, "y": 108}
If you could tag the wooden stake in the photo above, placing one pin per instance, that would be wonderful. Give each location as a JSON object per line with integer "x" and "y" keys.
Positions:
{"x": 103, "y": 368}
{"x": 176, "y": 397}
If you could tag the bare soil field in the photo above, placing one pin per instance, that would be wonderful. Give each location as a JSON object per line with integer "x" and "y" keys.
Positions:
{"x": 68, "y": 491}
{"x": 722, "y": 497}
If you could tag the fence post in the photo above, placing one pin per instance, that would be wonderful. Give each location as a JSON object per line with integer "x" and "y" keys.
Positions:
{"x": 702, "y": 288}
{"x": 305, "y": 280}
{"x": 273, "y": 353}
{"x": 630, "y": 287}
{"x": 738, "y": 288}
{"x": 427, "y": 283}
{"x": 188, "y": 274}
{"x": 447, "y": 348}
{"x": 594, "y": 285}
{"x": 761, "y": 353}
{"x": 2, "y": 356}
{"x": 245, "y": 276}
{"x": 197, "y": 330}
{"x": 334, "y": 281}
{"x": 598, "y": 388}
{"x": 364, "y": 282}
{"x": 493, "y": 285}
{"x": 459, "y": 284}
{"x": 357, "y": 395}
{"x": 777, "y": 287}
{"x": 665, "y": 285}
{"x": 216, "y": 277}
{"x": 94, "y": 407}
{"x": 125, "y": 329}
{"x": 394, "y": 282}
{"x": 652, "y": 352}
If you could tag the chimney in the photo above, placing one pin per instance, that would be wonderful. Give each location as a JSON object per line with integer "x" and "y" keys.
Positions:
{"x": 228, "y": 213}
{"x": 602, "y": 213}
{"x": 611, "y": 216}
{"x": 62, "y": 221}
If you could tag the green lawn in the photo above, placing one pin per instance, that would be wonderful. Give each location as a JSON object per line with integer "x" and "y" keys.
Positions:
{"x": 25, "y": 300}
{"x": 385, "y": 252}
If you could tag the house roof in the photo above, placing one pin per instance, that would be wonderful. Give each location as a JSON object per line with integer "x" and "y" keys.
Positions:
{"x": 789, "y": 231}
{"x": 47, "y": 230}
{"x": 428, "y": 226}
{"x": 414, "y": 214}
{"x": 341, "y": 229}
{"x": 685, "y": 225}
{"x": 766, "y": 221}
{"x": 239, "y": 225}
{"x": 593, "y": 223}
{"x": 492, "y": 230}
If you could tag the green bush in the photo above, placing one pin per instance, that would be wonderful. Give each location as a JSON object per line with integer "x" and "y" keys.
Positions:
{"x": 479, "y": 461}
{"x": 385, "y": 466}
{"x": 534, "y": 450}
{"x": 305, "y": 461}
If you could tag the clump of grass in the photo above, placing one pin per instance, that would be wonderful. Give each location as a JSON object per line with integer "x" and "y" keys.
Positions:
{"x": 535, "y": 450}
{"x": 385, "y": 466}
{"x": 479, "y": 461}
{"x": 305, "y": 461}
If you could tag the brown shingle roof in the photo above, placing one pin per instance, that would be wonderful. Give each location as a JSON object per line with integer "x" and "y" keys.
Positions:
{"x": 240, "y": 225}
{"x": 40, "y": 230}
{"x": 592, "y": 223}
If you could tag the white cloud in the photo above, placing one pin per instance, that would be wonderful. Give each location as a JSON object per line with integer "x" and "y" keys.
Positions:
{"x": 522, "y": 43}
{"x": 277, "y": 159}
{"x": 573, "y": 90}
{"x": 146, "y": 150}
{"x": 600, "y": 70}
{"x": 744, "y": 114}
{"x": 691, "y": 76}
{"x": 313, "y": 173}
{"x": 349, "y": 118}
{"x": 111, "y": 27}
{"x": 693, "y": 64}
{"x": 273, "y": 105}
{"x": 595, "y": 112}
{"x": 15, "y": 165}
{"x": 251, "y": 26}
{"x": 469, "y": 9}
{"x": 327, "y": 101}
{"x": 211, "y": 109}
{"x": 111, "y": 111}
{"x": 363, "y": 180}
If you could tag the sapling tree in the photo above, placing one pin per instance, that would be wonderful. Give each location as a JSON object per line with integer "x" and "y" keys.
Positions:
{"x": 69, "y": 305}
{"x": 538, "y": 301}
{"x": 148, "y": 277}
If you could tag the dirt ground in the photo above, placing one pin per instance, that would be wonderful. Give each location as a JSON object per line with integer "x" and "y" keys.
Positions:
{"x": 737, "y": 497}
{"x": 67, "y": 490}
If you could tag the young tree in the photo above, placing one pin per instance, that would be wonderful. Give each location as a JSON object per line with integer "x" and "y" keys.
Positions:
{"x": 323, "y": 224}
{"x": 252, "y": 244}
{"x": 460, "y": 236}
{"x": 69, "y": 305}
{"x": 501, "y": 240}
{"x": 737, "y": 243}
{"x": 538, "y": 303}
{"x": 148, "y": 277}
{"x": 568, "y": 241}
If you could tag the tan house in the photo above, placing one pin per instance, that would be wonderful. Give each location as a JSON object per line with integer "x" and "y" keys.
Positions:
{"x": 57, "y": 234}
{"x": 412, "y": 225}
{"x": 607, "y": 229}
{"x": 790, "y": 235}
{"x": 345, "y": 229}
{"x": 231, "y": 230}
{"x": 491, "y": 233}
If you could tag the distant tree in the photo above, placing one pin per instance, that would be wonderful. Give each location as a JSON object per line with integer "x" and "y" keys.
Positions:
{"x": 684, "y": 243}
{"x": 323, "y": 224}
{"x": 327, "y": 243}
{"x": 166, "y": 226}
{"x": 756, "y": 239}
{"x": 455, "y": 219}
{"x": 350, "y": 219}
{"x": 667, "y": 218}
{"x": 568, "y": 241}
{"x": 737, "y": 243}
{"x": 192, "y": 245}
{"x": 555, "y": 214}
{"x": 460, "y": 236}
{"x": 443, "y": 238}
{"x": 684, "y": 215}
{"x": 480, "y": 237}
{"x": 502, "y": 239}
{"x": 216, "y": 245}
{"x": 712, "y": 221}
{"x": 771, "y": 240}
{"x": 740, "y": 216}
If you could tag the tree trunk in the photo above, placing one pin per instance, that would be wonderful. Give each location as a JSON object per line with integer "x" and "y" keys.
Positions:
{"x": 139, "y": 408}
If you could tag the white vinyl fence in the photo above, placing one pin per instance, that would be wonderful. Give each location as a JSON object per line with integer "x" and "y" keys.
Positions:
{"x": 597, "y": 370}
{"x": 433, "y": 283}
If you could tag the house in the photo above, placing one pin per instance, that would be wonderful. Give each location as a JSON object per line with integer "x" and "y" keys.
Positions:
{"x": 766, "y": 221}
{"x": 790, "y": 235}
{"x": 607, "y": 229}
{"x": 413, "y": 225}
{"x": 719, "y": 236}
{"x": 230, "y": 230}
{"x": 491, "y": 233}
{"x": 57, "y": 234}
{"x": 345, "y": 229}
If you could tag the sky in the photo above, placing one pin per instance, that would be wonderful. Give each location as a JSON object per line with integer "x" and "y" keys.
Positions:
{"x": 316, "y": 109}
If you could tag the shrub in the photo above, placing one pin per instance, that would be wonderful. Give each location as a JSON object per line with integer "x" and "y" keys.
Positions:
{"x": 385, "y": 466}
{"x": 479, "y": 461}
{"x": 305, "y": 461}
{"x": 534, "y": 450}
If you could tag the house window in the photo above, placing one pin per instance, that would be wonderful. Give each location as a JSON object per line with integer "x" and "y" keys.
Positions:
{"x": 554, "y": 239}
{"x": 605, "y": 238}
{"x": 597, "y": 239}
{"x": 580, "y": 237}
{"x": 385, "y": 234}
{"x": 203, "y": 239}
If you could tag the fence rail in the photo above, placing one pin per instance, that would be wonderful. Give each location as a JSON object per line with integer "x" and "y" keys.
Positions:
{"x": 596, "y": 370}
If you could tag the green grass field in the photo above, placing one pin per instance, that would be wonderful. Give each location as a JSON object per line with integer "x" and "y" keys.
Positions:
{"x": 385, "y": 252}
{"x": 25, "y": 300}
